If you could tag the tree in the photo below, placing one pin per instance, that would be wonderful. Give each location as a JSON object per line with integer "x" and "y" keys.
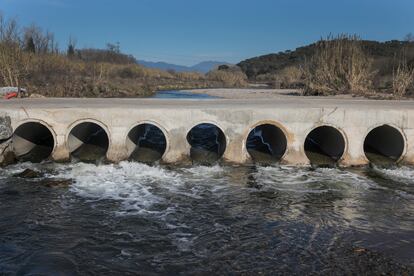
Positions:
{"x": 223, "y": 67}
{"x": 29, "y": 45}
{"x": 9, "y": 31}
{"x": 116, "y": 48}
{"x": 409, "y": 37}
{"x": 71, "y": 47}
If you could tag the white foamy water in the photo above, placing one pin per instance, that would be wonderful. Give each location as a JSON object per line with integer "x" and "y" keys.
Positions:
{"x": 303, "y": 180}
{"x": 130, "y": 183}
{"x": 137, "y": 187}
{"x": 404, "y": 174}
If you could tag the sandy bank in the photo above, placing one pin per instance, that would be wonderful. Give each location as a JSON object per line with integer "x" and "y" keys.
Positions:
{"x": 249, "y": 93}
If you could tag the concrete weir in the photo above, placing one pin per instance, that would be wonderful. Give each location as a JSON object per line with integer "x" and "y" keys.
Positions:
{"x": 292, "y": 130}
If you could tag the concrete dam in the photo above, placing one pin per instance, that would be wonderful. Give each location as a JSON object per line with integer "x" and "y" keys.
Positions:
{"x": 294, "y": 130}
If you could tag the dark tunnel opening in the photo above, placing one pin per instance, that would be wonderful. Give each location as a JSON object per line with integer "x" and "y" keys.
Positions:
{"x": 88, "y": 142}
{"x": 384, "y": 145}
{"x": 33, "y": 142}
{"x": 207, "y": 142}
{"x": 146, "y": 143}
{"x": 324, "y": 145}
{"x": 266, "y": 144}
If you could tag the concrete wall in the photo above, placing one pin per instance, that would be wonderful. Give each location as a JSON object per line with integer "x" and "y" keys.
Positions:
{"x": 236, "y": 119}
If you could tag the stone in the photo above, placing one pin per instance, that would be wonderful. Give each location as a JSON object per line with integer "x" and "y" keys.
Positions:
{"x": 7, "y": 156}
{"x": 28, "y": 173}
{"x": 6, "y": 149}
{"x": 57, "y": 183}
{"x": 6, "y": 130}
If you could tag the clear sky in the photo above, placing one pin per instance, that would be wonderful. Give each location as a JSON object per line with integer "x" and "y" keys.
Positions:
{"x": 189, "y": 31}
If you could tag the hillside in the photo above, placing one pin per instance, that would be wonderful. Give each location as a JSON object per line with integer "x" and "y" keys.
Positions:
{"x": 385, "y": 57}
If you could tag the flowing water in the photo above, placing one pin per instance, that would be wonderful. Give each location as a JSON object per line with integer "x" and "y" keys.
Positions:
{"x": 132, "y": 218}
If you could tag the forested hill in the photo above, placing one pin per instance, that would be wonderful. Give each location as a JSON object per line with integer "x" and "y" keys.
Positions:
{"x": 383, "y": 53}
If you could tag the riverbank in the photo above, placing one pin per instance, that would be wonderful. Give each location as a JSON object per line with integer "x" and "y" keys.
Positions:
{"x": 248, "y": 93}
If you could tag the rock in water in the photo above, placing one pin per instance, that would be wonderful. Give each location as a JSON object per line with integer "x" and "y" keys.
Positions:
{"x": 6, "y": 150}
{"x": 28, "y": 173}
{"x": 57, "y": 183}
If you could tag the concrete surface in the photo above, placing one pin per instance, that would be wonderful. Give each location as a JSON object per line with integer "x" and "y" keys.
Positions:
{"x": 295, "y": 116}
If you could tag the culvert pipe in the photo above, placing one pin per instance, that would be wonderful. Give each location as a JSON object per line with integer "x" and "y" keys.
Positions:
{"x": 88, "y": 142}
{"x": 146, "y": 143}
{"x": 208, "y": 143}
{"x": 266, "y": 143}
{"x": 384, "y": 144}
{"x": 324, "y": 145}
{"x": 33, "y": 141}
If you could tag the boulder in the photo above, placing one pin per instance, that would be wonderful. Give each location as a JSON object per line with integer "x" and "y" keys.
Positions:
{"x": 6, "y": 149}
{"x": 7, "y": 156}
{"x": 6, "y": 130}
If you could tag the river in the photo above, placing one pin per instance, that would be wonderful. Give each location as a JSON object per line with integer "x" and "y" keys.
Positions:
{"x": 220, "y": 219}
{"x": 180, "y": 94}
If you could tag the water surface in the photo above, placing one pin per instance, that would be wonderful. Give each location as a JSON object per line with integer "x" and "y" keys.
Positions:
{"x": 180, "y": 94}
{"x": 130, "y": 218}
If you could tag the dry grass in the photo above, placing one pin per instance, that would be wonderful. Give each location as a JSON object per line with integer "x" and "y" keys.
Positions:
{"x": 339, "y": 65}
{"x": 30, "y": 58}
{"x": 403, "y": 78}
{"x": 228, "y": 78}
{"x": 56, "y": 75}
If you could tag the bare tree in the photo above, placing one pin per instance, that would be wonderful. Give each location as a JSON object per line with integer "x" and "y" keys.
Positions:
{"x": 9, "y": 31}
{"x": 44, "y": 42}
{"x": 409, "y": 37}
{"x": 71, "y": 46}
{"x": 14, "y": 65}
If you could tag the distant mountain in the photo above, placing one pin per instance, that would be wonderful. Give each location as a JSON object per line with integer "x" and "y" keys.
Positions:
{"x": 202, "y": 67}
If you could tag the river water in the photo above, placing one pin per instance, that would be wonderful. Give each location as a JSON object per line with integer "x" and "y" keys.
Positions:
{"x": 133, "y": 218}
{"x": 179, "y": 94}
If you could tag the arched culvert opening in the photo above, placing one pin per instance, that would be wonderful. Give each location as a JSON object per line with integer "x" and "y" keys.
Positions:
{"x": 384, "y": 145}
{"x": 207, "y": 142}
{"x": 33, "y": 142}
{"x": 88, "y": 142}
{"x": 266, "y": 143}
{"x": 324, "y": 145}
{"x": 146, "y": 143}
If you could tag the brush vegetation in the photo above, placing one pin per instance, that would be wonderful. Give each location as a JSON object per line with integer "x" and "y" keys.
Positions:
{"x": 31, "y": 58}
{"x": 339, "y": 65}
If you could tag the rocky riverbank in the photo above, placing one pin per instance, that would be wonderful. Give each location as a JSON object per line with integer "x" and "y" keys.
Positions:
{"x": 6, "y": 132}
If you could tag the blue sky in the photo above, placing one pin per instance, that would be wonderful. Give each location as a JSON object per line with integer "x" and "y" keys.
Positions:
{"x": 189, "y": 31}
